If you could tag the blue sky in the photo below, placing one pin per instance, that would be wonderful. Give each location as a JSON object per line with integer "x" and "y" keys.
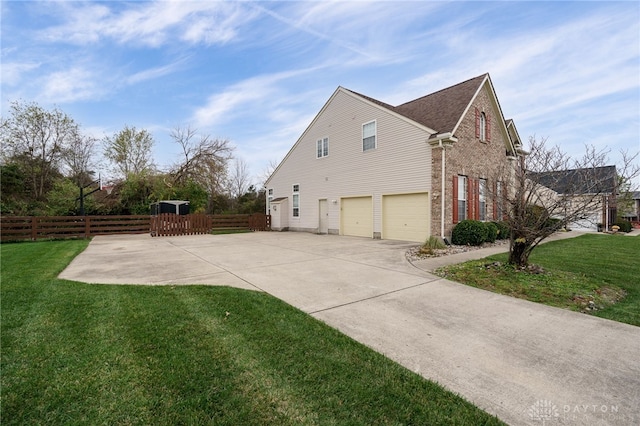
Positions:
{"x": 257, "y": 73}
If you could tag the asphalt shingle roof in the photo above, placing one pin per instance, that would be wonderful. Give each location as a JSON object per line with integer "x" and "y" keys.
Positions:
{"x": 579, "y": 181}
{"x": 442, "y": 110}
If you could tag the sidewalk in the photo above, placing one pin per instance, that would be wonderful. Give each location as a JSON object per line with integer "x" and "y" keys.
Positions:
{"x": 432, "y": 263}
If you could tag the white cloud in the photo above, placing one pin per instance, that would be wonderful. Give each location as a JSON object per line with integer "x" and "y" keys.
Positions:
{"x": 13, "y": 72}
{"x": 153, "y": 73}
{"x": 149, "y": 23}
{"x": 75, "y": 84}
{"x": 256, "y": 96}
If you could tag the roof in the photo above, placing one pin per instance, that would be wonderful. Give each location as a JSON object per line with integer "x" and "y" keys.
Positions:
{"x": 579, "y": 181}
{"x": 442, "y": 110}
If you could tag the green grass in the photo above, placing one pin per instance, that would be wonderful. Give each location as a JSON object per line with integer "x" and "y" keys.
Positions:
{"x": 602, "y": 268}
{"x": 75, "y": 353}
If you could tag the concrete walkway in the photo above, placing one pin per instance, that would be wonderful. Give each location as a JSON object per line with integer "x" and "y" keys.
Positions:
{"x": 524, "y": 362}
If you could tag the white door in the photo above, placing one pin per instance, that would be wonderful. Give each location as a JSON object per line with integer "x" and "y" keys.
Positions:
{"x": 356, "y": 216}
{"x": 323, "y": 226}
{"x": 406, "y": 217}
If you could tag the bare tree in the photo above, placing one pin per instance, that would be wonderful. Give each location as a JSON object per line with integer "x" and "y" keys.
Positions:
{"x": 130, "y": 151}
{"x": 548, "y": 191}
{"x": 35, "y": 138}
{"x": 239, "y": 180}
{"x": 268, "y": 171}
{"x": 79, "y": 158}
{"x": 200, "y": 156}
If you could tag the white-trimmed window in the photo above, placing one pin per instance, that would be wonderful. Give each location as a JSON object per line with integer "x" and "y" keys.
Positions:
{"x": 483, "y": 126}
{"x": 269, "y": 198}
{"x": 482, "y": 199}
{"x": 296, "y": 200}
{"x": 369, "y": 135}
{"x": 462, "y": 198}
{"x": 322, "y": 147}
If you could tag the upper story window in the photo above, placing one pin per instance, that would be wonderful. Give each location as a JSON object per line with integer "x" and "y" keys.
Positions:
{"x": 322, "y": 147}
{"x": 369, "y": 136}
{"x": 483, "y": 126}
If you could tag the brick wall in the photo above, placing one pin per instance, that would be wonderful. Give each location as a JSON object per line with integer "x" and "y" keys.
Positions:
{"x": 472, "y": 158}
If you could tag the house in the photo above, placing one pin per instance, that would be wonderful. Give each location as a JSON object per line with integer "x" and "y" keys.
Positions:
{"x": 589, "y": 192}
{"x": 407, "y": 172}
{"x": 632, "y": 211}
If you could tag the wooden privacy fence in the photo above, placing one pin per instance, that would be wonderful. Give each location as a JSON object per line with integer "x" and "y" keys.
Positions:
{"x": 14, "y": 228}
{"x": 167, "y": 224}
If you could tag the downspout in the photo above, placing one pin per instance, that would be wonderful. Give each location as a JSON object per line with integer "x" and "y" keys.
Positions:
{"x": 443, "y": 141}
{"x": 442, "y": 192}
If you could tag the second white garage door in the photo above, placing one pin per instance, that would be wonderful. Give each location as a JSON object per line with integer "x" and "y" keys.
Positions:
{"x": 356, "y": 217}
{"x": 406, "y": 217}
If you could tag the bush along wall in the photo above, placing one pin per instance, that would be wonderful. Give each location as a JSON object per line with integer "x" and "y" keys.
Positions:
{"x": 469, "y": 232}
{"x": 625, "y": 226}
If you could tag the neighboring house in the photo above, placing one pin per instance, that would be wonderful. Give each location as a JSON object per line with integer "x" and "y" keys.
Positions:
{"x": 590, "y": 191}
{"x": 632, "y": 213}
{"x": 407, "y": 172}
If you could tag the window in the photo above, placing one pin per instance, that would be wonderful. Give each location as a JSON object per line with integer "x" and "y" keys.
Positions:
{"x": 482, "y": 199}
{"x": 369, "y": 136}
{"x": 322, "y": 146}
{"x": 462, "y": 198}
{"x": 296, "y": 201}
{"x": 269, "y": 198}
{"x": 483, "y": 126}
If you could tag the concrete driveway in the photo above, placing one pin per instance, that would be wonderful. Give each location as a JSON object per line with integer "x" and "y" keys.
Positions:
{"x": 524, "y": 362}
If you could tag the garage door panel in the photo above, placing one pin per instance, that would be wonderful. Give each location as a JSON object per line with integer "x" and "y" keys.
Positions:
{"x": 406, "y": 217}
{"x": 357, "y": 216}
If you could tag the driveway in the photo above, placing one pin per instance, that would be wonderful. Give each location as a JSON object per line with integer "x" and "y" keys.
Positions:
{"x": 524, "y": 362}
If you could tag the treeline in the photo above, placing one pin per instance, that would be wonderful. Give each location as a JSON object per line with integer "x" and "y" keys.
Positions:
{"x": 46, "y": 158}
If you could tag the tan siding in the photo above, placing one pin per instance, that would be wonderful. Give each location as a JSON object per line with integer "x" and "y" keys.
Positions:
{"x": 401, "y": 163}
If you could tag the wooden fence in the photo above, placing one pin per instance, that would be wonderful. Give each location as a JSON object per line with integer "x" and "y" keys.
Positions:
{"x": 15, "y": 228}
{"x": 167, "y": 224}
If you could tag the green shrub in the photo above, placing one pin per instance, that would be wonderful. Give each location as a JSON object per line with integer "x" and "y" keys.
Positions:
{"x": 492, "y": 232}
{"x": 625, "y": 225}
{"x": 433, "y": 243}
{"x": 469, "y": 232}
{"x": 503, "y": 230}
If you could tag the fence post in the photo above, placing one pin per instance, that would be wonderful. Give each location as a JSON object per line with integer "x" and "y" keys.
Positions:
{"x": 87, "y": 226}
{"x": 34, "y": 228}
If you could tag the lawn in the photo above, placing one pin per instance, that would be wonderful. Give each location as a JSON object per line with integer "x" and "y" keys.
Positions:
{"x": 75, "y": 353}
{"x": 598, "y": 274}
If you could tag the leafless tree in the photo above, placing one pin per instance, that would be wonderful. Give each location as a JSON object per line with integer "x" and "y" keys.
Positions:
{"x": 268, "y": 171}
{"x": 203, "y": 159}
{"x": 78, "y": 158}
{"x": 239, "y": 180}
{"x": 547, "y": 190}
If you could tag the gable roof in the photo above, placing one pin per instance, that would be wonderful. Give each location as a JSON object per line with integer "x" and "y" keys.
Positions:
{"x": 443, "y": 109}
{"x": 579, "y": 181}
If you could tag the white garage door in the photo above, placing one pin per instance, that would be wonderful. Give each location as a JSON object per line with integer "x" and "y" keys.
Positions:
{"x": 406, "y": 217}
{"x": 356, "y": 217}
